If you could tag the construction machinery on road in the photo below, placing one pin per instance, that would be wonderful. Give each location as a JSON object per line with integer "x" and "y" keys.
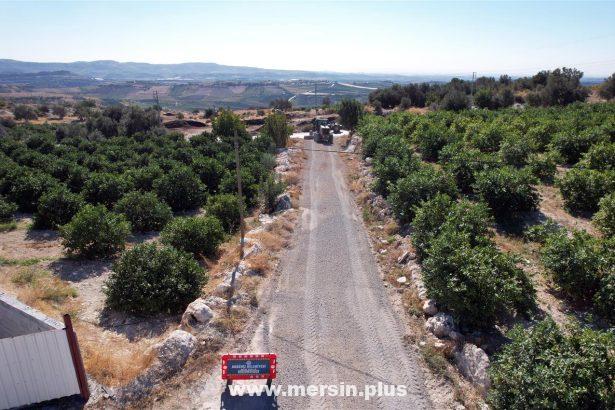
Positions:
{"x": 323, "y": 130}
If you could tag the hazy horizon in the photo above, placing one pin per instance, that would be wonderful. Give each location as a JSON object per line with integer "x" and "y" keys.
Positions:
{"x": 405, "y": 38}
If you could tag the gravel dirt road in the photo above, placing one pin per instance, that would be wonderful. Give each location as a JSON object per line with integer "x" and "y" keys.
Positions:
{"x": 328, "y": 318}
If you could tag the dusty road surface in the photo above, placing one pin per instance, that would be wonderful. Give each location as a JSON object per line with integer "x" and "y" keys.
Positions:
{"x": 328, "y": 318}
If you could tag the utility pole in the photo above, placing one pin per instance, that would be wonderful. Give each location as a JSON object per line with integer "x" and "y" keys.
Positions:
{"x": 315, "y": 97}
{"x": 241, "y": 225}
{"x": 157, "y": 104}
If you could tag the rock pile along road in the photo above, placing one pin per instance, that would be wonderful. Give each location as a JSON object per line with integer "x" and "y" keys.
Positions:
{"x": 329, "y": 318}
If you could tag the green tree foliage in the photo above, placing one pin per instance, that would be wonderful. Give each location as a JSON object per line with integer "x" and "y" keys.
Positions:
{"x": 147, "y": 280}
{"x": 197, "y": 235}
{"x": 604, "y": 219}
{"x": 607, "y": 89}
{"x": 135, "y": 119}
{"x": 542, "y": 166}
{"x": 601, "y": 156}
{"x": 180, "y": 188}
{"x": 277, "y": 128}
{"x": 269, "y": 191}
{"x": 419, "y": 186}
{"x": 97, "y": 160}
{"x": 574, "y": 262}
{"x": 390, "y": 169}
{"x": 563, "y": 87}
{"x": 210, "y": 171}
{"x": 477, "y": 283}
{"x": 483, "y": 98}
{"x": 24, "y": 112}
{"x": 94, "y": 232}
{"x": 515, "y": 149}
{"x": 464, "y": 163}
{"x": 572, "y": 145}
{"x": 25, "y": 187}
{"x": 226, "y": 124}
{"x": 105, "y": 188}
{"x": 604, "y": 299}
{"x": 431, "y": 139}
{"x": 582, "y": 189}
{"x": 59, "y": 111}
{"x": 350, "y": 112}
{"x": 144, "y": 211}
{"x": 546, "y": 368}
{"x": 442, "y": 213}
{"x": 507, "y": 190}
{"x": 57, "y": 207}
{"x": 226, "y": 208}
{"x": 143, "y": 178}
{"x": 7, "y": 210}
{"x": 455, "y": 100}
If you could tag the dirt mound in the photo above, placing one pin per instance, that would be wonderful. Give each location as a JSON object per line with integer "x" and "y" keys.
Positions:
{"x": 184, "y": 123}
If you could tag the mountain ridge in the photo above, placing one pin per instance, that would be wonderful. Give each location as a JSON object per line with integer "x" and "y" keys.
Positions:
{"x": 199, "y": 71}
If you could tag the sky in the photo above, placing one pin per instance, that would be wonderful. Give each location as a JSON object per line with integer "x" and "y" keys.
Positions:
{"x": 403, "y": 37}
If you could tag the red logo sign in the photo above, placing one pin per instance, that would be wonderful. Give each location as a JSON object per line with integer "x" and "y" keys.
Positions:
{"x": 248, "y": 366}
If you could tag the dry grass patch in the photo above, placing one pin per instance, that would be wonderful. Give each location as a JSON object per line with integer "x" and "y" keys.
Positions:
{"x": 110, "y": 358}
{"x": 232, "y": 323}
{"x": 40, "y": 289}
{"x": 249, "y": 285}
{"x": 260, "y": 262}
{"x": 391, "y": 228}
{"x": 291, "y": 178}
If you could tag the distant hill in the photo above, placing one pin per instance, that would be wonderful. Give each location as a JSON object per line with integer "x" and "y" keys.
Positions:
{"x": 113, "y": 70}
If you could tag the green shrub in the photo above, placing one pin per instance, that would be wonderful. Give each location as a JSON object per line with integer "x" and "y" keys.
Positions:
{"x": 197, "y": 235}
{"x": 489, "y": 137}
{"x": 604, "y": 219}
{"x": 269, "y": 190}
{"x": 210, "y": 171}
{"x": 572, "y": 145}
{"x": 225, "y": 207}
{"x": 574, "y": 262}
{"x": 277, "y": 128}
{"x": 464, "y": 163}
{"x": 441, "y": 213}
{"x": 540, "y": 232}
{"x": 180, "y": 188}
{"x": 390, "y": 169}
{"x": 104, "y": 188}
{"x": 582, "y": 189}
{"x": 7, "y": 210}
{"x": 546, "y": 368}
{"x": 250, "y": 187}
{"x": 419, "y": 186}
{"x": 515, "y": 149}
{"x": 604, "y": 299}
{"x": 350, "y": 112}
{"x": 144, "y": 211}
{"x": 143, "y": 178}
{"x": 57, "y": 207}
{"x": 95, "y": 232}
{"x": 478, "y": 284}
{"x": 507, "y": 190}
{"x": 26, "y": 188}
{"x": 431, "y": 139}
{"x": 429, "y": 217}
{"x": 542, "y": 166}
{"x": 147, "y": 280}
{"x": 600, "y": 156}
